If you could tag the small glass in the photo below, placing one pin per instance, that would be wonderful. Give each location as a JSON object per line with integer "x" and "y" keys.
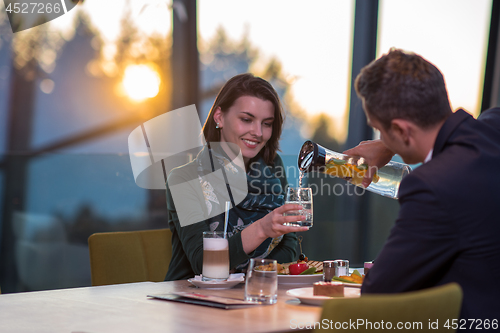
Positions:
{"x": 367, "y": 266}
{"x": 261, "y": 284}
{"x": 215, "y": 256}
{"x": 300, "y": 196}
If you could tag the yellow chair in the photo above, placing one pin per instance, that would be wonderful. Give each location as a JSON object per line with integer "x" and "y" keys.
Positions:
{"x": 414, "y": 311}
{"x": 125, "y": 257}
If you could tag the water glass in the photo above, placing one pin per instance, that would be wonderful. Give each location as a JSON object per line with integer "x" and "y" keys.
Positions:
{"x": 300, "y": 196}
{"x": 215, "y": 256}
{"x": 261, "y": 284}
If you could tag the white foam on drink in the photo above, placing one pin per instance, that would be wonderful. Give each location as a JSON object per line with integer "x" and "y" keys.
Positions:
{"x": 215, "y": 244}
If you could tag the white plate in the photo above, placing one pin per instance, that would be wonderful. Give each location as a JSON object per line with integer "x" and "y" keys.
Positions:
{"x": 299, "y": 279}
{"x": 233, "y": 280}
{"x": 306, "y": 296}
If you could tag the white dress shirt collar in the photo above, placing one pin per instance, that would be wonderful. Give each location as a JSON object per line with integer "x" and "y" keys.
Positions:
{"x": 429, "y": 156}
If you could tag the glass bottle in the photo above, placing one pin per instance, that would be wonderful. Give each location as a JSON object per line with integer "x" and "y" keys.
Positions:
{"x": 313, "y": 157}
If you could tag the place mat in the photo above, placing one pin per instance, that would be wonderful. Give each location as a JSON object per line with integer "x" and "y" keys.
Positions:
{"x": 205, "y": 300}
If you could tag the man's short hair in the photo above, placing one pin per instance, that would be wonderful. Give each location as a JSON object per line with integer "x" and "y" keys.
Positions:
{"x": 403, "y": 85}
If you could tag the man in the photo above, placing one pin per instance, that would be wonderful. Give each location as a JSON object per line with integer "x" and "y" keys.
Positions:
{"x": 448, "y": 228}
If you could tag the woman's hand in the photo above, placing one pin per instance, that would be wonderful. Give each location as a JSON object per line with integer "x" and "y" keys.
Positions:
{"x": 271, "y": 226}
{"x": 376, "y": 154}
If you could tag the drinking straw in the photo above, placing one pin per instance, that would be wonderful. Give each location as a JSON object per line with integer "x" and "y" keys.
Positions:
{"x": 228, "y": 207}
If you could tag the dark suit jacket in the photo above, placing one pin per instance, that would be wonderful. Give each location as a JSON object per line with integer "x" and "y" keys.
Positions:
{"x": 448, "y": 228}
{"x": 491, "y": 117}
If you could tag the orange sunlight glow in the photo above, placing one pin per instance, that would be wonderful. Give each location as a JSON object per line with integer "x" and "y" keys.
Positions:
{"x": 141, "y": 82}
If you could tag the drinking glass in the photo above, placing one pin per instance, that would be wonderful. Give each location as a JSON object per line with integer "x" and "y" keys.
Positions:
{"x": 215, "y": 256}
{"x": 300, "y": 196}
{"x": 261, "y": 284}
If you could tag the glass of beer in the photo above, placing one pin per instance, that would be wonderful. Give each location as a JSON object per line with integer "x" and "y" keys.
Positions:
{"x": 215, "y": 256}
{"x": 300, "y": 196}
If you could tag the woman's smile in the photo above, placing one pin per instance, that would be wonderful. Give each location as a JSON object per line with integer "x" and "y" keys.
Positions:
{"x": 251, "y": 143}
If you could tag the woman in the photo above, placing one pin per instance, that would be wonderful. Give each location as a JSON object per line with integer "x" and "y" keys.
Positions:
{"x": 247, "y": 113}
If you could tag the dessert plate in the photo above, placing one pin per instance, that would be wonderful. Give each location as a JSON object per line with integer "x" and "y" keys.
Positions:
{"x": 306, "y": 296}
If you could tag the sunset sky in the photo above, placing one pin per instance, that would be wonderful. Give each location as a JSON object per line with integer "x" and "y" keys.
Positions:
{"x": 313, "y": 40}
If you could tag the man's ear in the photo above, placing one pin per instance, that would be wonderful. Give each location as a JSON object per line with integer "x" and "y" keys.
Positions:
{"x": 403, "y": 129}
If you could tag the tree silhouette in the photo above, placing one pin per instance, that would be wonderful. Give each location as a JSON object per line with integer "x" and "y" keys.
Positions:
{"x": 322, "y": 133}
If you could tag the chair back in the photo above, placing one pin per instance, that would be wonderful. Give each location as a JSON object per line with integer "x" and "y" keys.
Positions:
{"x": 418, "y": 310}
{"x": 126, "y": 257}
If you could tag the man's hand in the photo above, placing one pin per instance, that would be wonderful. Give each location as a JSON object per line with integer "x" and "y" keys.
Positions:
{"x": 376, "y": 154}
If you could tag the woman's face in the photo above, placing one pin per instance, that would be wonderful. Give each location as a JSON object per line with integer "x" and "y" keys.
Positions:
{"x": 248, "y": 123}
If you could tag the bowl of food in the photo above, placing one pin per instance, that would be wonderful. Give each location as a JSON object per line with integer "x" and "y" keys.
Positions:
{"x": 300, "y": 272}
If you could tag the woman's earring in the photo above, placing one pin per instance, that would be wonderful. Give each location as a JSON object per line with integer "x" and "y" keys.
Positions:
{"x": 217, "y": 126}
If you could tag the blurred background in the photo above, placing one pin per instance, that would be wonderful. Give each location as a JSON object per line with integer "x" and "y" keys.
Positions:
{"x": 73, "y": 89}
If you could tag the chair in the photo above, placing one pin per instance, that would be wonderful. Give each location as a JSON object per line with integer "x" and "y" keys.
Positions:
{"x": 125, "y": 257}
{"x": 409, "y": 309}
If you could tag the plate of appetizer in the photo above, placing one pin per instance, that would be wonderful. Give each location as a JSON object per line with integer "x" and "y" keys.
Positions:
{"x": 353, "y": 280}
{"x": 300, "y": 272}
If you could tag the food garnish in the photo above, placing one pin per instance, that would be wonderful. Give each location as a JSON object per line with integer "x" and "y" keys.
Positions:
{"x": 303, "y": 266}
{"x": 351, "y": 172}
{"x": 310, "y": 270}
{"x": 298, "y": 268}
{"x": 353, "y": 278}
{"x": 356, "y": 272}
{"x": 302, "y": 256}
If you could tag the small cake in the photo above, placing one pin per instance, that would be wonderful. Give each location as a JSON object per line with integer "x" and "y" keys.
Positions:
{"x": 331, "y": 289}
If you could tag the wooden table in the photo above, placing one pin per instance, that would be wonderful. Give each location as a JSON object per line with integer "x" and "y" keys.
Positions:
{"x": 125, "y": 308}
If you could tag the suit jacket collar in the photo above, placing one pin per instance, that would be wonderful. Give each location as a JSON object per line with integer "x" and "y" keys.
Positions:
{"x": 448, "y": 128}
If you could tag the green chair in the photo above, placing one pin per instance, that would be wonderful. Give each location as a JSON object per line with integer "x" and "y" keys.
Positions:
{"x": 414, "y": 311}
{"x": 126, "y": 257}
